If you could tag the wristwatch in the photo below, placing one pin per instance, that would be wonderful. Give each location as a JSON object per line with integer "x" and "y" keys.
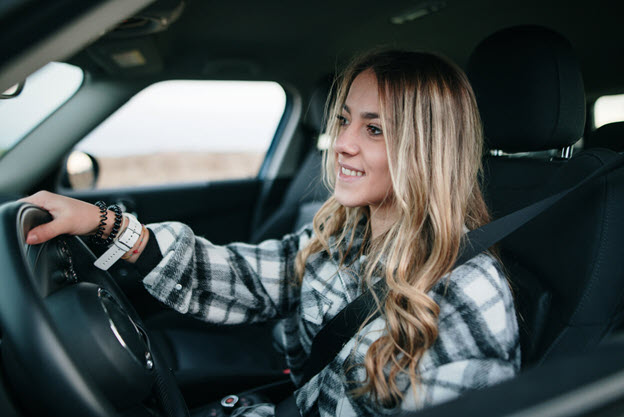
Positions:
{"x": 122, "y": 244}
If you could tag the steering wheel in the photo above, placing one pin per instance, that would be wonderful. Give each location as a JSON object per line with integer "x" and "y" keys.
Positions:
{"x": 72, "y": 344}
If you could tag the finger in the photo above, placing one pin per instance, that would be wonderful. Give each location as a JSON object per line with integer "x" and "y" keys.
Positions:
{"x": 30, "y": 199}
{"x": 38, "y": 199}
{"x": 43, "y": 233}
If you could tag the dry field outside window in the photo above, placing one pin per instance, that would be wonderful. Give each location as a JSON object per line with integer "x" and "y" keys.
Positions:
{"x": 176, "y": 167}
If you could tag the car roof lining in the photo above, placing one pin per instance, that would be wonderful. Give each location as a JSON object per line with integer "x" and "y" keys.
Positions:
{"x": 214, "y": 40}
{"x": 270, "y": 41}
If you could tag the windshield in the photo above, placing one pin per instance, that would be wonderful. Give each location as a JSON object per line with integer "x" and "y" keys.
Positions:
{"x": 45, "y": 91}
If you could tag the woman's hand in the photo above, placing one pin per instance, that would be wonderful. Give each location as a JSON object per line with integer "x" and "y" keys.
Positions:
{"x": 70, "y": 216}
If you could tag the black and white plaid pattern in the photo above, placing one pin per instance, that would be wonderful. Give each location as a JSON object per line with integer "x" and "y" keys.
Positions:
{"x": 477, "y": 346}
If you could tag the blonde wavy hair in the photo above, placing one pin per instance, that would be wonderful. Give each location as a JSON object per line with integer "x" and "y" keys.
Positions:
{"x": 434, "y": 145}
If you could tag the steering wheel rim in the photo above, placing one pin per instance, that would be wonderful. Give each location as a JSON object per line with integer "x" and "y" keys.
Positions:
{"x": 36, "y": 352}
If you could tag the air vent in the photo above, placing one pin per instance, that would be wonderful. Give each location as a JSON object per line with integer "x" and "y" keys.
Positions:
{"x": 134, "y": 23}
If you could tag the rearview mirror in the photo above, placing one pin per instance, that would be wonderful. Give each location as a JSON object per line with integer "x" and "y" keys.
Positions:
{"x": 13, "y": 91}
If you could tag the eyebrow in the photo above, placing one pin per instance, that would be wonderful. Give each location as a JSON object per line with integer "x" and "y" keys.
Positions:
{"x": 364, "y": 115}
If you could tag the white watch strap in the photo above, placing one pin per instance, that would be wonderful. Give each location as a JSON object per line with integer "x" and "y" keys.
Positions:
{"x": 122, "y": 244}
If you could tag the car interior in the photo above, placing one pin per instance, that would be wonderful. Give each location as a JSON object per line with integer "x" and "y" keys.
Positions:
{"x": 538, "y": 69}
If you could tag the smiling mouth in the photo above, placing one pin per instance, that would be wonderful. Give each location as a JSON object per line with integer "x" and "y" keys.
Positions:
{"x": 350, "y": 172}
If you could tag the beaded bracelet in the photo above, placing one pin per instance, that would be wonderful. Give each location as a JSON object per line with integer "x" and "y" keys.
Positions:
{"x": 97, "y": 237}
{"x": 116, "y": 224}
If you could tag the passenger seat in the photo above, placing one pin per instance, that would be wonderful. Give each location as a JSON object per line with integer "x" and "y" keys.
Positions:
{"x": 566, "y": 267}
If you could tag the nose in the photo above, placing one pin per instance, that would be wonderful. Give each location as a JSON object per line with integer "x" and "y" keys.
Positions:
{"x": 346, "y": 142}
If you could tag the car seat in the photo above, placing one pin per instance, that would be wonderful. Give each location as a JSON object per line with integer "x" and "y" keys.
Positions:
{"x": 565, "y": 267}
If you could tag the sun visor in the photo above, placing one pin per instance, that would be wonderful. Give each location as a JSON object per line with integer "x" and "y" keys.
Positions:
{"x": 129, "y": 57}
{"x": 129, "y": 48}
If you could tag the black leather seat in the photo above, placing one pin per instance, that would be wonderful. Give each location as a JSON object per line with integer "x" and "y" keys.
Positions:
{"x": 609, "y": 136}
{"x": 565, "y": 267}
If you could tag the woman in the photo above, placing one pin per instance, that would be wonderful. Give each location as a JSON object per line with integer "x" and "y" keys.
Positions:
{"x": 403, "y": 166}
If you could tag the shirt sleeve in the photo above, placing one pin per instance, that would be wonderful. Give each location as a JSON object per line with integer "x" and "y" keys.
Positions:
{"x": 230, "y": 284}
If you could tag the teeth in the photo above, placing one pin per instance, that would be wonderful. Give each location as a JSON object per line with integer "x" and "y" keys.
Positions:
{"x": 351, "y": 173}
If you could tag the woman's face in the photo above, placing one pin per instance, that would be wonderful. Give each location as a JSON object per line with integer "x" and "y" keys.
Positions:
{"x": 362, "y": 175}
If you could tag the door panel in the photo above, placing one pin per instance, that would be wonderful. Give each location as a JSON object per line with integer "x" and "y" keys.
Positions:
{"x": 221, "y": 211}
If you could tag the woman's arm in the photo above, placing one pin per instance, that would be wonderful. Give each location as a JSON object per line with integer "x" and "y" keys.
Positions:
{"x": 230, "y": 284}
{"x": 235, "y": 283}
{"x": 75, "y": 217}
{"x": 69, "y": 216}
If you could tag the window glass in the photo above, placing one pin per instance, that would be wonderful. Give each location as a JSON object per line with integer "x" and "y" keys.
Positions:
{"x": 608, "y": 109}
{"x": 44, "y": 92}
{"x": 185, "y": 131}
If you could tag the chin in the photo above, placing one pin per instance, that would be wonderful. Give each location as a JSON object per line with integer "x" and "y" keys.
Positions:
{"x": 348, "y": 202}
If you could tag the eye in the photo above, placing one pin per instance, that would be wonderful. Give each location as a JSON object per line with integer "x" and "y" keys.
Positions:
{"x": 374, "y": 130}
{"x": 342, "y": 121}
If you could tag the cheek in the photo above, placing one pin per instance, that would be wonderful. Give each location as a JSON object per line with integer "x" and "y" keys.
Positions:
{"x": 380, "y": 162}
{"x": 335, "y": 165}
{"x": 384, "y": 171}
{"x": 387, "y": 181}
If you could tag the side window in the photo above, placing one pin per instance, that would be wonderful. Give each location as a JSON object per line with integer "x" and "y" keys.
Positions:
{"x": 44, "y": 92}
{"x": 182, "y": 131}
{"x": 608, "y": 109}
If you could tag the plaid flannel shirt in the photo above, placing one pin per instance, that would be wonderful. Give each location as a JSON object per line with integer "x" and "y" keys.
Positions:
{"x": 477, "y": 346}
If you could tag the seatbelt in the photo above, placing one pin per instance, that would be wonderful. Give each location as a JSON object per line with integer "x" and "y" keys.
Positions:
{"x": 340, "y": 329}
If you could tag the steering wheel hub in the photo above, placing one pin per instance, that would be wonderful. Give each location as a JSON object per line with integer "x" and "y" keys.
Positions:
{"x": 105, "y": 339}
{"x": 128, "y": 334}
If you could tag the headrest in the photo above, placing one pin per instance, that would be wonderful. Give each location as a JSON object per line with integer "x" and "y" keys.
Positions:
{"x": 529, "y": 90}
{"x": 610, "y": 136}
{"x": 314, "y": 117}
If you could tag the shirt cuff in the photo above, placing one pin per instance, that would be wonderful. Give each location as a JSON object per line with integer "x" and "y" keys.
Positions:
{"x": 150, "y": 257}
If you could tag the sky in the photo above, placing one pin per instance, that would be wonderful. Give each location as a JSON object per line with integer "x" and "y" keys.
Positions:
{"x": 187, "y": 116}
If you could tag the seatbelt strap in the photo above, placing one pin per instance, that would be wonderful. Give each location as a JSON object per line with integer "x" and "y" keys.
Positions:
{"x": 342, "y": 327}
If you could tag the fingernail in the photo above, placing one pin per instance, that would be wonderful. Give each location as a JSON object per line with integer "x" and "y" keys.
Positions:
{"x": 32, "y": 239}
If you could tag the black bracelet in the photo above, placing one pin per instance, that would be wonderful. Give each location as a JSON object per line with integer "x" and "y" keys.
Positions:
{"x": 97, "y": 237}
{"x": 116, "y": 225}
